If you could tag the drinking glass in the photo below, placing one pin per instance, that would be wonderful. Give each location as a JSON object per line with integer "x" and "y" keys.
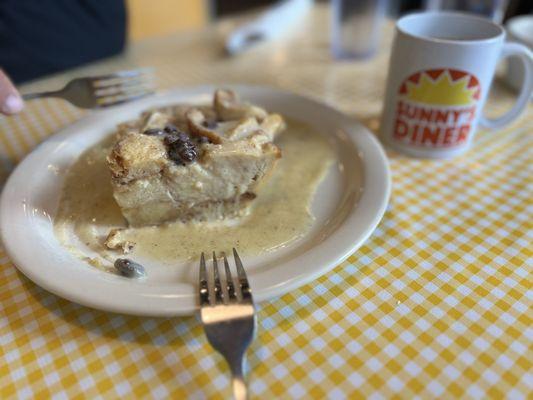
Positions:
{"x": 355, "y": 27}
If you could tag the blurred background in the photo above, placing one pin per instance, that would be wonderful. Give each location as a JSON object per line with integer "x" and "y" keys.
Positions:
{"x": 175, "y": 15}
{"x": 41, "y": 37}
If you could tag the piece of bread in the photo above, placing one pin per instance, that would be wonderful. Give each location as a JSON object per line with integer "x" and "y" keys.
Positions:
{"x": 193, "y": 163}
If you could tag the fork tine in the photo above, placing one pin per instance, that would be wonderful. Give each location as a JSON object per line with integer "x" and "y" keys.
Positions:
{"x": 229, "y": 280}
{"x": 119, "y": 90}
{"x": 118, "y": 82}
{"x": 243, "y": 280}
{"x": 108, "y": 78}
{"x": 204, "y": 289}
{"x": 123, "y": 85}
{"x": 102, "y": 103}
{"x": 219, "y": 296}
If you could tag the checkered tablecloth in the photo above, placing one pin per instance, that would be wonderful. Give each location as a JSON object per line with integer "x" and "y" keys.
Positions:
{"x": 436, "y": 304}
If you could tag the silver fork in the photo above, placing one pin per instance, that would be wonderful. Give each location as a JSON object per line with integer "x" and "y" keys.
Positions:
{"x": 228, "y": 318}
{"x": 103, "y": 91}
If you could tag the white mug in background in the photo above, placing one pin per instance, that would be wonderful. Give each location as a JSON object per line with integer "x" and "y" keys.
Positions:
{"x": 440, "y": 73}
{"x": 520, "y": 30}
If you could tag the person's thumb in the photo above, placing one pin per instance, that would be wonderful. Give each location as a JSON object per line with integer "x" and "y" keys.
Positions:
{"x": 10, "y": 100}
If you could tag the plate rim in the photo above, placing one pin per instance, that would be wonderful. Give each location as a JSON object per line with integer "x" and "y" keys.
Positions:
{"x": 380, "y": 185}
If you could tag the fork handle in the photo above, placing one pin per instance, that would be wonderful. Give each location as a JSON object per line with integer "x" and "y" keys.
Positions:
{"x": 31, "y": 96}
{"x": 240, "y": 390}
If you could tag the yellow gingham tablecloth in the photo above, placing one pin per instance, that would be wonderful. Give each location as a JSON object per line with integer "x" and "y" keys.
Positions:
{"x": 436, "y": 304}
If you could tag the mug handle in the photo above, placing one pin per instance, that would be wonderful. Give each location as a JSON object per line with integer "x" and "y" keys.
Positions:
{"x": 526, "y": 57}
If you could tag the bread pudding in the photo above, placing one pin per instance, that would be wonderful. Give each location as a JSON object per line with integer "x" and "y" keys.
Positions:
{"x": 189, "y": 162}
{"x": 90, "y": 224}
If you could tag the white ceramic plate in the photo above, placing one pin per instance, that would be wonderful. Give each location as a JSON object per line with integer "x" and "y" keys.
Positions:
{"x": 348, "y": 205}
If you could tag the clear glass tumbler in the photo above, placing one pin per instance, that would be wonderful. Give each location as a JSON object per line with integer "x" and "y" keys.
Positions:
{"x": 355, "y": 27}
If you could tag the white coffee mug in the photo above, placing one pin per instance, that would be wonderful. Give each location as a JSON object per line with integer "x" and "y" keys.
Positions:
{"x": 440, "y": 73}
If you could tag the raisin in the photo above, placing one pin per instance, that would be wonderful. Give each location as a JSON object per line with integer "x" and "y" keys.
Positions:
{"x": 174, "y": 155}
{"x": 154, "y": 132}
{"x": 188, "y": 152}
{"x": 129, "y": 268}
{"x": 173, "y": 138}
{"x": 171, "y": 128}
{"x": 181, "y": 149}
{"x": 183, "y": 155}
